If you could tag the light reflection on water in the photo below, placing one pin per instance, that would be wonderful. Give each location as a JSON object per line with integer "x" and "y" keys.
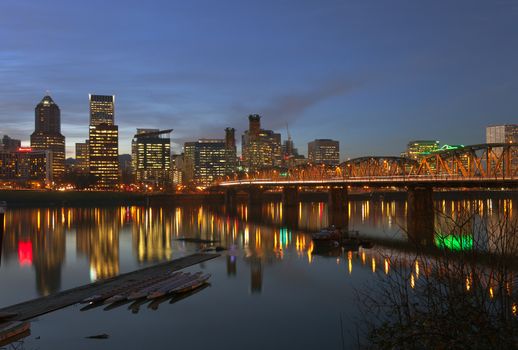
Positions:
{"x": 50, "y": 249}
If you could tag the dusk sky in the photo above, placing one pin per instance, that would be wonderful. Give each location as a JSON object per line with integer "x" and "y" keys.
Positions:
{"x": 371, "y": 74}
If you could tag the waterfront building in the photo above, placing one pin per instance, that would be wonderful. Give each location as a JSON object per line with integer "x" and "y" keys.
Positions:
{"x": 324, "y": 151}
{"x": 207, "y": 159}
{"x": 103, "y": 148}
{"x": 420, "y": 149}
{"x": 47, "y": 135}
{"x": 27, "y": 165}
{"x": 260, "y": 148}
{"x": 177, "y": 168}
{"x": 189, "y": 150}
{"x": 82, "y": 164}
{"x": 10, "y": 145}
{"x": 151, "y": 156}
{"x": 502, "y": 133}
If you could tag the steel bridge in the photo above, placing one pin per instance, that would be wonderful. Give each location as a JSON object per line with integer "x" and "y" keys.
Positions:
{"x": 483, "y": 165}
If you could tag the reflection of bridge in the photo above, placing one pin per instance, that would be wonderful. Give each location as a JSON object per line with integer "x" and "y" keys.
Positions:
{"x": 476, "y": 166}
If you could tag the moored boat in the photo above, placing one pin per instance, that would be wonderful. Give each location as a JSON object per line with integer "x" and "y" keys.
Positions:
{"x": 12, "y": 331}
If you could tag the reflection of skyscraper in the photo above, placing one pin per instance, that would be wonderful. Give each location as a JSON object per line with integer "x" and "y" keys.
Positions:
{"x": 231, "y": 265}
{"x": 47, "y": 134}
{"x": 152, "y": 235}
{"x": 97, "y": 237}
{"x": 104, "y": 142}
{"x": 256, "y": 274}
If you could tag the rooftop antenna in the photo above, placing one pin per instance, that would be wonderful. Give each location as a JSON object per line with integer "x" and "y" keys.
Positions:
{"x": 288, "y": 132}
{"x": 47, "y": 92}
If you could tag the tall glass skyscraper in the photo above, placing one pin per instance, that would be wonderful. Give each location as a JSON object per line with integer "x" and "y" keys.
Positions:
{"x": 103, "y": 143}
{"x": 47, "y": 135}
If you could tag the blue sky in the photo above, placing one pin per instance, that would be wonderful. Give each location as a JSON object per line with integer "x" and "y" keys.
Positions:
{"x": 371, "y": 74}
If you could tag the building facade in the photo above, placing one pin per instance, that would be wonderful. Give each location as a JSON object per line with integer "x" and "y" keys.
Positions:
{"x": 231, "y": 150}
{"x": 151, "y": 156}
{"x": 261, "y": 149}
{"x": 27, "y": 165}
{"x": 82, "y": 163}
{"x": 10, "y": 145}
{"x": 47, "y": 135}
{"x": 206, "y": 159}
{"x": 324, "y": 151}
{"x": 103, "y": 137}
{"x": 502, "y": 133}
{"x": 419, "y": 149}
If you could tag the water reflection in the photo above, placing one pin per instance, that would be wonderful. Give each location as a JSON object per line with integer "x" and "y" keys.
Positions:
{"x": 37, "y": 238}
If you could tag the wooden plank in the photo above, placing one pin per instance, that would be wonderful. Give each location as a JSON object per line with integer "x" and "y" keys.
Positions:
{"x": 36, "y": 307}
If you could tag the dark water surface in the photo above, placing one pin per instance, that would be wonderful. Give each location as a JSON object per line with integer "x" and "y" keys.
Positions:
{"x": 270, "y": 289}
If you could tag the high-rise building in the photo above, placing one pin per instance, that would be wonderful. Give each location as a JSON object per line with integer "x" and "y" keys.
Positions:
{"x": 502, "y": 133}
{"x": 151, "y": 156}
{"x": 260, "y": 148}
{"x": 189, "y": 152}
{"x": 47, "y": 135}
{"x": 230, "y": 147}
{"x": 82, "y": 163}
{"x": 103, "y": 139}
{"x": 207, "y": 158}
{"x": 324, "y": 151}
{"x": 9, "y": 144}
{"x": 420, "y": 149}
{"x": 177, "y": 168}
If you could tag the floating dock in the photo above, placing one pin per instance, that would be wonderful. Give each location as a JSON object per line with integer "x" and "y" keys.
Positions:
{"x": 40, "y": 306}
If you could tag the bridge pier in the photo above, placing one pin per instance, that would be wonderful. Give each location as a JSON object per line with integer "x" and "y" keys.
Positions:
{"x": 230, "y": 199}
{"x": 290, "y": 196}
{"x": 420, "y": 215}
{"x": 255, "y": 196}
{"x": 338, "y": 202}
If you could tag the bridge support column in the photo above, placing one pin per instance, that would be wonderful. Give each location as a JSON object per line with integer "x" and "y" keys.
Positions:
{"x": 338, "y": 202}
{"x": 255, "y": 196}
{"x": 230, "y": 199}
{"x": 420, "y": 215}
{"x": 290, "y": 196}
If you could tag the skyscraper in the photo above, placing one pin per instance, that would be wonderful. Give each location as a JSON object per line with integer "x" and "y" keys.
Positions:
{"x": 151, "y": 156}
{"x": 103, "y": 145}
{"x": 47, "y": 135}
{"x": 324, "y": 151}
{"x": 502, "y": 133}
{"x": 207, "y": 159}
{"x": 230, "y": 147}
{"x": 261, "y": 148}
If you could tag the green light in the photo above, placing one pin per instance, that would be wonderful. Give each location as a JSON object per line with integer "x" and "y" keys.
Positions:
{"x": 453, "y": 242}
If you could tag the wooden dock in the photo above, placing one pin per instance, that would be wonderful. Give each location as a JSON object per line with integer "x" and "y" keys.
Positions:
{"x": 36, "y": 307}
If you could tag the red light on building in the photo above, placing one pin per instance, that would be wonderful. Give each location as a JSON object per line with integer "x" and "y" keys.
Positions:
{"x": 24, "y": 149}
{"x": 25, "y": 253}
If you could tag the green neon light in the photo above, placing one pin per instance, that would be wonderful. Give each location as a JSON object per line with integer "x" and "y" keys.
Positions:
{"x": 453, "y": 242}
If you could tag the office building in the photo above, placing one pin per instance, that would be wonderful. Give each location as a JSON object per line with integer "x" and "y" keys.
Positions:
{"x": 207, "y": 159}
{"x": 420, "y": 149}
{"x": 47, "y": 135}
{"x": 502, "y": 133}
{"x": 231, "y": 150}
{"x": 177, "y": 168}
{"x": 103, "y": 137}
{"x": 82, "y": 164}
{"x": 27, "y": 165}
{"x": 151, "y": 156}
{"x": 10, "y": 145}
{"x": 261, "y": 149}
{"x": 324, "y": 151}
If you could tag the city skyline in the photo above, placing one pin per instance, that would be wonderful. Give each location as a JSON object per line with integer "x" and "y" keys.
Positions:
{"x": 313, "y": 66}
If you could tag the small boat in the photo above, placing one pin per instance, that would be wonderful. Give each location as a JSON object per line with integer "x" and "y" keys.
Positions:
{"x": 327, "y": 234}
{"x": 166, "y": 289}
{"x": 123, "y": 295}
{"x": 193, "y": 285}
{"x": 144, "y": 292}
{"x": 12, "y": 331}
{"x": 132, "y": 286}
